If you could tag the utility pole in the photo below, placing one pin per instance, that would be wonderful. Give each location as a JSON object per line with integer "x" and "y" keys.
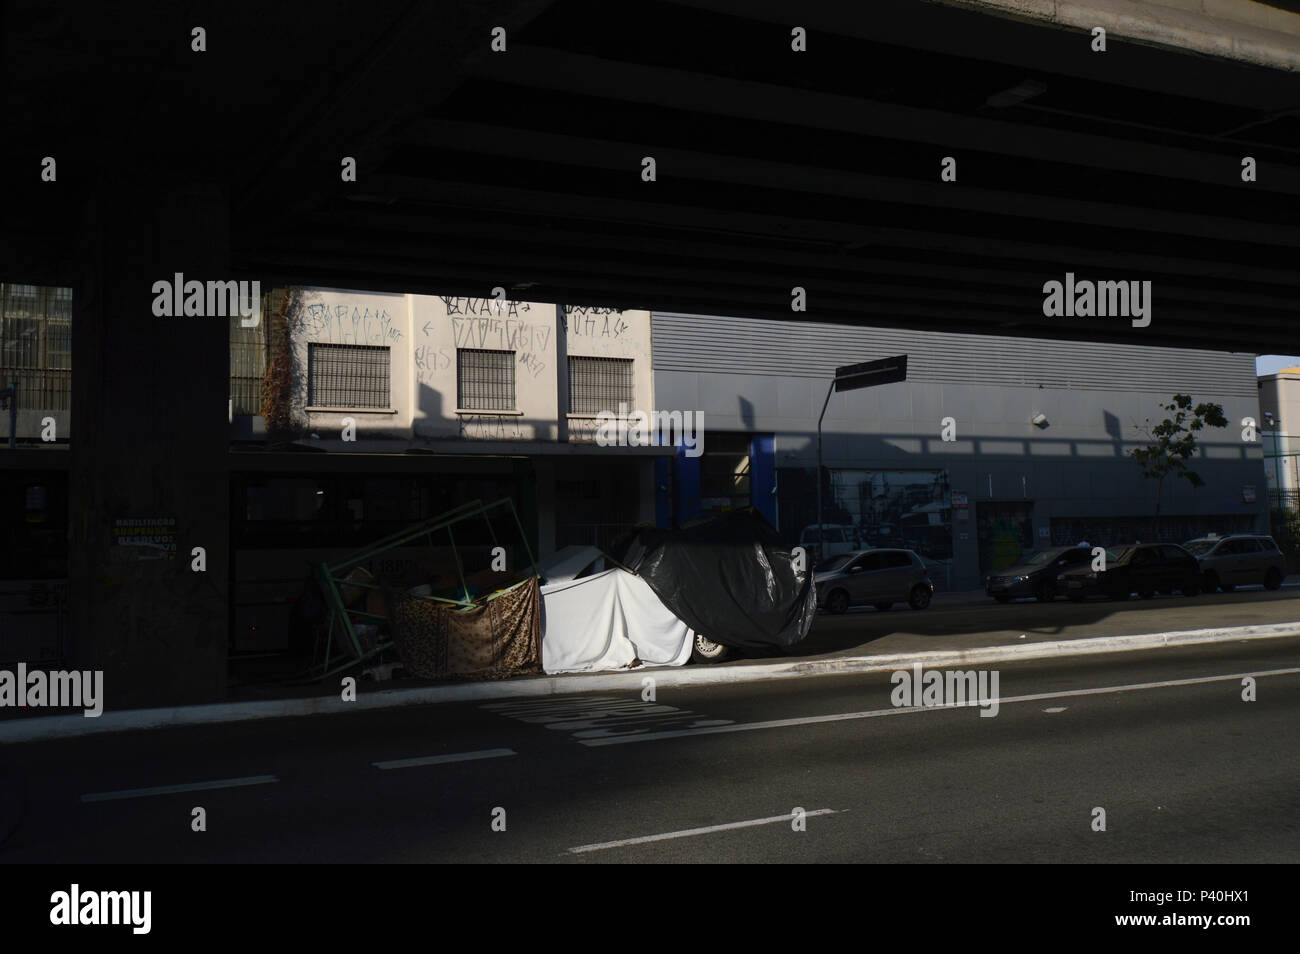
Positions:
{"x": 1277, "y": 465}
{"x": 851, "y": 377}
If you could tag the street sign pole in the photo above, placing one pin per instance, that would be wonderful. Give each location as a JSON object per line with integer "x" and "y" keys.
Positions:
{"x": 821, "y": 550}
{"x": 851, "y": 377}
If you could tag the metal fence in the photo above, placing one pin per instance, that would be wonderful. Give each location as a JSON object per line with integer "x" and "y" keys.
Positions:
{"x": 248, "y": 347}
{"x": 1284, "y": 500}
{"x": 36, "y": 345}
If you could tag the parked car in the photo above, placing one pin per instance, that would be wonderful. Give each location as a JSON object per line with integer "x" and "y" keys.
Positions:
{"x": 1144, "y": 568}
{"x": 879, "y": 578}
{"x": 1240, "y": 559}
{"x": 837, "y": 539}
{"x": 1036, "y": 575}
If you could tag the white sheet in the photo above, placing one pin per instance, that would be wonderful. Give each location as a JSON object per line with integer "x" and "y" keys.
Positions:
{"x": 607, "y": 621}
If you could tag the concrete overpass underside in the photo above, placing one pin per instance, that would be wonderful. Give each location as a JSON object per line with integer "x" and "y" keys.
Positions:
{"x": 775, "y": 169}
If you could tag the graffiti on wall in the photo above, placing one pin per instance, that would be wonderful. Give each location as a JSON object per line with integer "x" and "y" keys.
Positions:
{"x": 582, "y": 322}
{"x": 348, "y": 324}
{"x": 491, "y": 427}
{"x": 484, "y": 306}
{"x": 502, "y": 334}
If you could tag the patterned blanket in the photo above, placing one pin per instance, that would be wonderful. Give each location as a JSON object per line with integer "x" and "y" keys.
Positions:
{"x": 496, "y": 639}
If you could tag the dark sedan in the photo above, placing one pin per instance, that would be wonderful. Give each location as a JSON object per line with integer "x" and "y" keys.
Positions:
{"x": 1144, "y": 568}
{"x": 1036, "y": 576}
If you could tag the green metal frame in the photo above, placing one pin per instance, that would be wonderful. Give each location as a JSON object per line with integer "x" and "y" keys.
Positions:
{"x": 326, "y": 662}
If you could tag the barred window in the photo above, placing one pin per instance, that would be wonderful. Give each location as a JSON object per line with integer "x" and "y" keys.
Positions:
{"x": 485, "y": 380}
{"x": 36, "y": 345}
{"x": 248, "y": 352}
{"x": 599, "y": 384}
{"x": 347, "y": 375}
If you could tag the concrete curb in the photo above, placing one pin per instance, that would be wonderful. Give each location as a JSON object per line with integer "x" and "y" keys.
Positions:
{"x": 68, "y": 726}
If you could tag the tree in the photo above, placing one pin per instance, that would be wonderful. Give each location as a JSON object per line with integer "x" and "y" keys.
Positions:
{"x": 277, "y": 382}
{"x": 1173, "y": 443}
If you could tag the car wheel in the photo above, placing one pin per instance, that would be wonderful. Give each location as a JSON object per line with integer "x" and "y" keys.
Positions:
{"x": 1212, "y": 582}
{"x": 706, "y": 650}
{"x": 837, "y": 602}
{"x": 883, "y": 607}
{"x": 1118, "y": 594}
{"x": 1272, "y": 579}
{"x": 1075, "y": 597}
{"x": 919, "y": 598}
{"x": 1002, "y": 598}
{"x": 1046, "y": 592}
{"x": 1191, "y": 589}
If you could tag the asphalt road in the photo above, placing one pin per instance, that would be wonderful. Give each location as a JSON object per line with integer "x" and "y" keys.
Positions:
{"x": 1185, "y": 773}
{"x": 954, "y": 622}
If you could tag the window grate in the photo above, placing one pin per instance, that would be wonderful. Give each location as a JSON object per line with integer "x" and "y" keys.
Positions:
{"x": 248, "y": 352}
{"x": 599, "y": 384}
{"x": 36, "y": 345}
{"x": 348, "y": 375}
{"x": 485, "y": 380}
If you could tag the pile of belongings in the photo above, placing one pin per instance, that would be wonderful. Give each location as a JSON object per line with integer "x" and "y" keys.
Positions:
{"x": 496, "y": 638}
{"x": 729, "y": 578}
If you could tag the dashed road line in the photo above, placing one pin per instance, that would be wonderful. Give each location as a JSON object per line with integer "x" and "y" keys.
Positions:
{"x": 690, "y": 832}
{"x": 173, "y": 789}
{"x": 444, "y": 759}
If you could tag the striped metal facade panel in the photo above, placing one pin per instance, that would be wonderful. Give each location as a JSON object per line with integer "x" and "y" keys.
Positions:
{"x": 813, "y": 349}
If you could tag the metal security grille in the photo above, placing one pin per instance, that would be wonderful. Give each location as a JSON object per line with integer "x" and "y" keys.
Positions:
{"x": 485, "y": 380}
{"x": 599, "y": 384}
{"x": 347, "y": 375}
{"x": 248, "y": 347}
{"x": 36, "y": 345}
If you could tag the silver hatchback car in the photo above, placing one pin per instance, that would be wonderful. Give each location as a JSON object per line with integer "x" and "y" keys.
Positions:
{"x": 1241, "y": 559}
{"x": 879, "y": 578}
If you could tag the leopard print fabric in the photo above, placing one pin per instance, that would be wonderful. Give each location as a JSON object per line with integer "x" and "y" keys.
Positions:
{"x": 494, "y": 640}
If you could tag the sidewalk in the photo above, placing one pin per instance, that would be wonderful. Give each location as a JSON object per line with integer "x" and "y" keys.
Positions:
{"x": 955, "y": 632}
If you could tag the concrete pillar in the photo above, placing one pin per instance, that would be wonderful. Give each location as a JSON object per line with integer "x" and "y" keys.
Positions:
{"x": 149, "y": 401}
{"x": 544, "y": 468}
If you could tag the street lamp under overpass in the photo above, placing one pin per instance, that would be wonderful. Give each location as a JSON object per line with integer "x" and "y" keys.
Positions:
{"x": 851, "y": 377}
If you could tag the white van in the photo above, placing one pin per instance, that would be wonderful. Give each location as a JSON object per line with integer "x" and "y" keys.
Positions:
{"x": 837, "y": 538}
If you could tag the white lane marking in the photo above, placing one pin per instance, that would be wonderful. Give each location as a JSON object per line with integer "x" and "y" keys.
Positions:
{"x": 443, "y": 759}
{"x": 873, "y": 713}
{"x": 1056, "y": 708}
{"x": 172, "y": 789}
{"x": 687, "y": 833}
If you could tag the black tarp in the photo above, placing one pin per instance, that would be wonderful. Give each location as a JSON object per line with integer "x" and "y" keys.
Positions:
{"x": 730, "y": 579}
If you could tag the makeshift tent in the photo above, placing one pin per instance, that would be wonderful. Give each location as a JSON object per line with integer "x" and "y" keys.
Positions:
{"x": 494, "y": 639}
{"x": 609, "y": 621}
{"x": 730, "y": 579}
{"x": 345, "y": 643}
